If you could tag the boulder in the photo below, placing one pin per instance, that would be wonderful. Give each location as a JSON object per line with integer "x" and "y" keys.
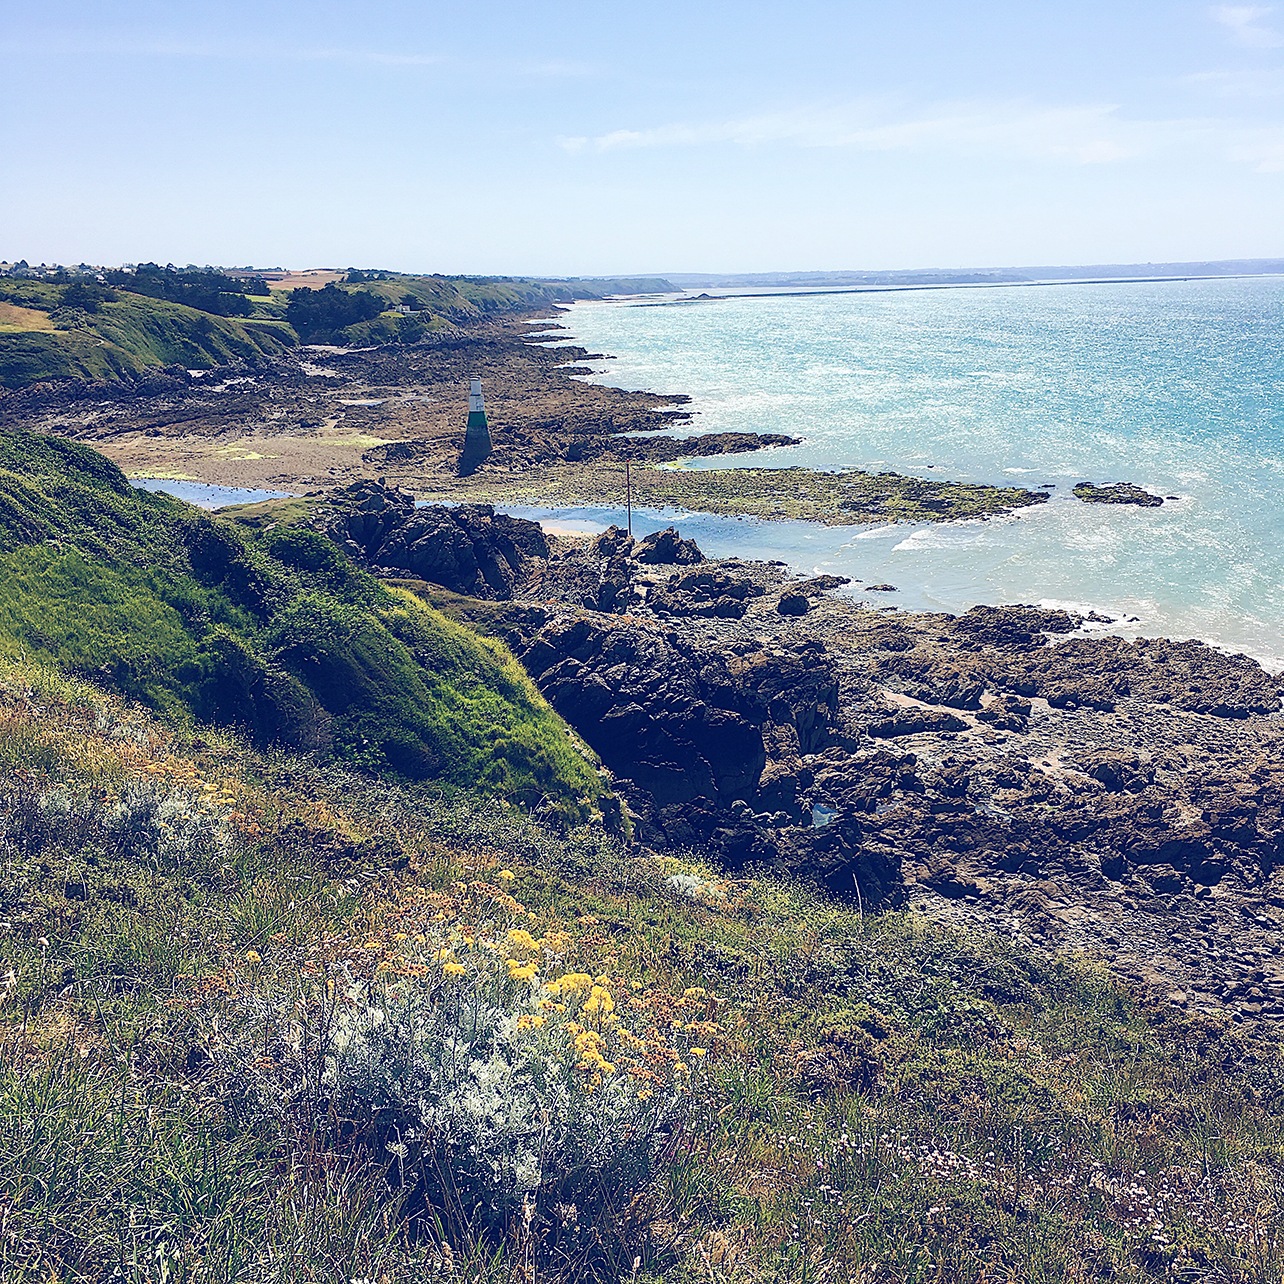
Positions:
{"x": 667, "y": 547}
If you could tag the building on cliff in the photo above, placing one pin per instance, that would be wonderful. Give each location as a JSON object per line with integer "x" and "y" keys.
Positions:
{"x": 477, "y": 443}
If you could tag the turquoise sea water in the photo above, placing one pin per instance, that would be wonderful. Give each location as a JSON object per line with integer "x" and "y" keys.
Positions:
{"x": 1178, "y": 386}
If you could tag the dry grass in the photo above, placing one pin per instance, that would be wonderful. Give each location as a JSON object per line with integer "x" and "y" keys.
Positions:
{"x": 16, "y": 320}
{"x": 315, "y": 279}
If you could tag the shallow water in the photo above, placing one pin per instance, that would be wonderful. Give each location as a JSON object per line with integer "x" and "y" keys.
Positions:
{"x": 1178, "y": 386}
{"x": 205, "y": 495}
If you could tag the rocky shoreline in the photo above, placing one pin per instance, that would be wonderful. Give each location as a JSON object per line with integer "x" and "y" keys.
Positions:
{"x": 1004, "y": 767}
{"x": 318, "y": 418}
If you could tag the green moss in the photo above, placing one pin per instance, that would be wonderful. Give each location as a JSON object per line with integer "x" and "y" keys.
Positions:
{"x": 838, "y": 499}
{"x": 272, "y": 630}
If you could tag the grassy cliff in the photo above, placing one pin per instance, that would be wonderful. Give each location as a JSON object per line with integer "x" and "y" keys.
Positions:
{"x": 273, "y": 632}
{"x": 60, "y": 331}
{"x": 123, "y": 334}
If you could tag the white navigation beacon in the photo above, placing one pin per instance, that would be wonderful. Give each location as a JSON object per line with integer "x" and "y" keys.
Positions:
{"x": 476, "y": 406}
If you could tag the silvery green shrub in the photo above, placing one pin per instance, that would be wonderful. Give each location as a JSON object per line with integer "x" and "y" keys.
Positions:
{"x": 489, "y": 1118}
{"x": 482, "y": 1118}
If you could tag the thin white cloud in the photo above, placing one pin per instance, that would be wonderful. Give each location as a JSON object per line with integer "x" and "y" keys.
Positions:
{"x": 1246, "y": 83}
{"x": 1265, "y": 152}
{"x": 1082, "y": 135}
{"x": 1243, "y": 21}
{"x": 1087, "y": 135}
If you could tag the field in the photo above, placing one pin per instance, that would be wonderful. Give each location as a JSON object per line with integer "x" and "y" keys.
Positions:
{"x": 16, "y": 320}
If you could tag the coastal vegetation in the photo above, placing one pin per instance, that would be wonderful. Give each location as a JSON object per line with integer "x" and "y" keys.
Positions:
{"x": 270, "y": 631}
{"x": 80, "y": 328}
{"x": 85, "y": 331}
{"x": 267, "y": 1019}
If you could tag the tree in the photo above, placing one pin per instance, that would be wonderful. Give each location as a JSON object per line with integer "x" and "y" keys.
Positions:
{"x": 318, "y": 316}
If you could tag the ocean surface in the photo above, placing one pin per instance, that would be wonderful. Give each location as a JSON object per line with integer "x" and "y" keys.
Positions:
{"x": 1177, "y": 386}
{"x": 206, "y": 494}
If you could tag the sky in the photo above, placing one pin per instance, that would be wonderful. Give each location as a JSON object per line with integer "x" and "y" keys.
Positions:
{"x": 556, "y": 139}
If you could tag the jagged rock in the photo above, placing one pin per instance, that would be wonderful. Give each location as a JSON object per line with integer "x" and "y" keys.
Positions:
{"x": 819, "y": 584}
{"x": 679, "y": 720}
{"x": 614, "y": 542}
{"x": 1011, "y": 626}
{"x": 704, "y": 593}
{"x": 469, "y": 549}
{"x": 667, "y": 547}
{"x": 912, "y": 721}
{"x": 793, "y": 604}
{"x": 1007, "y": 713}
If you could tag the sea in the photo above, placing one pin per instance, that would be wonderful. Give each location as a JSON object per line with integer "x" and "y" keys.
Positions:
{"x": 1177, "y": 386}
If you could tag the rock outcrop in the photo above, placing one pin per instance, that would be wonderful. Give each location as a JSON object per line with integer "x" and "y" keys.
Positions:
{"x": 469, "y": 549}
{"x": 1118, "y": 493}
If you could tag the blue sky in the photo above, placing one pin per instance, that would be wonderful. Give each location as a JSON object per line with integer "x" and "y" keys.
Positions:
{"x": 572, "y": 139}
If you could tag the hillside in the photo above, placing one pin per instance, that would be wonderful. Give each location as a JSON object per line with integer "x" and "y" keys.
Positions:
{"x": 272, "y": 632}
{"x": 42, "y": 338}
{"x": 270, "y": 1021}
{"x": 76, "y": 331}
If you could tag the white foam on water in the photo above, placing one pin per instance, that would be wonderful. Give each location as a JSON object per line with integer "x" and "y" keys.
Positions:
{"x": 1178, "y": 387}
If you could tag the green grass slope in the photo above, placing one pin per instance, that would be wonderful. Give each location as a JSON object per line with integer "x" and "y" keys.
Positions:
{"x": 264, "y": 1020}
{"x": 273, "y": 632}
{"x": 443, "y": 301}
{"x": 122, "y": 336}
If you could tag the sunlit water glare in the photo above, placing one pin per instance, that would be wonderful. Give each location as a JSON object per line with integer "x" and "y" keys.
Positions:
{"x": 1178, "y": 387}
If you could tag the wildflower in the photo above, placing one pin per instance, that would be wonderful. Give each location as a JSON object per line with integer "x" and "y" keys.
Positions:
{"x": 527, "y": 1021}
{"x": 521, "y": 972}
{"x": 571, "y": 983}
{"x": 507, "y": 875}
{"x": 453, "y": 969}
{"x": 699, "y": 1052}
{"x": 519, "y": 938}
{"x": 443, "y": 955}
{"x": 600, "y": 1003}
{"x": 252, "y": 956}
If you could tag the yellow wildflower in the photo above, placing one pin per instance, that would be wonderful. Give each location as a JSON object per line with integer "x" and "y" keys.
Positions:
{"x": 571, "y": 983}
{"x": 507, "y": 875}
{"x": 443, "y": 955}
{"x": 699, "y": 1052}
{"x": 252, "y": 956}
{"x": 519, "y": 938}
{"x": 453, "y": 969}
{"x": 521, "y": 972}
{"x": 599, "y": 1003}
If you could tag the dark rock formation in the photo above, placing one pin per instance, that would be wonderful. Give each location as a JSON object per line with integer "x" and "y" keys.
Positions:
{"x": 470, "y": 549}
{"x": 706, "y": 593}
{"x": 667, "y": 548}
{"x": 1118, "y": 493}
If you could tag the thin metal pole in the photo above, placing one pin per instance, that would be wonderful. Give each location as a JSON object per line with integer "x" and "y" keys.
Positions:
{"x": 628, "y": 494}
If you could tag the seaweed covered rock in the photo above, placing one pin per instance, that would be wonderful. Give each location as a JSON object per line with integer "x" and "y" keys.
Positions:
{"x": 1117, "y": 493}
